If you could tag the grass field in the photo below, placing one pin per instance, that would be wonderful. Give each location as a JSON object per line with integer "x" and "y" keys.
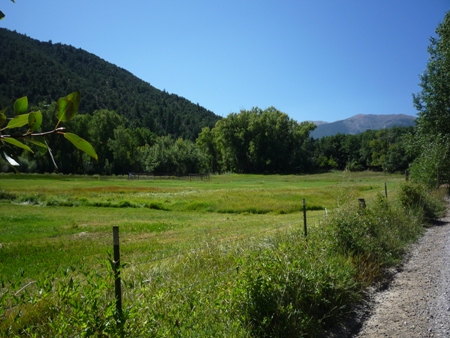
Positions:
{"x": 51, "y": 220}
{"x": 180, "y": 233}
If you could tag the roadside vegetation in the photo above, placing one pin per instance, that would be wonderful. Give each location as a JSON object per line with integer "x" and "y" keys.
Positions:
{"x": 198, "y": 271}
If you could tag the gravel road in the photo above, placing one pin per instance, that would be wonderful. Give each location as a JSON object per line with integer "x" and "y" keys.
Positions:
{"x": 417, "y": 301}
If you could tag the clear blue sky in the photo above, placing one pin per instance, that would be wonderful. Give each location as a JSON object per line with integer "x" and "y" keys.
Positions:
{"x": 312, "y": 59}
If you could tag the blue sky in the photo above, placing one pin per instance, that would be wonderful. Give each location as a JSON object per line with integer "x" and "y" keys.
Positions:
{"x": 312, "y": 59}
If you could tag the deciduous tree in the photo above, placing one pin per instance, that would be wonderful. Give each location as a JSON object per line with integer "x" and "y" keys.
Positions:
{"x": 433, "y": 105}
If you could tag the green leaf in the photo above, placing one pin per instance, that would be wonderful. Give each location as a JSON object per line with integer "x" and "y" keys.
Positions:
{"x": 2, "y": 119}
{"x": 35, "y": 120}
{"x": 42, "y": 147}
{"x": 39, "y": 144}
{"x": 18, "y": 121}
{"x": 68, "y": 107}
{"x": 21, "y": 105}
{"x": 81, "y": 144}
{"x": 16, "y": 143}
{"x": 1, "y": 15}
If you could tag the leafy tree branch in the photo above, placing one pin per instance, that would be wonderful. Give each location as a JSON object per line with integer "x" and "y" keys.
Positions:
{"x": 67, "y": 109}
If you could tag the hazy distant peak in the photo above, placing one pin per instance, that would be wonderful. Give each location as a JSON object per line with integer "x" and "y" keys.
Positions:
{"x": 360, "y": 123}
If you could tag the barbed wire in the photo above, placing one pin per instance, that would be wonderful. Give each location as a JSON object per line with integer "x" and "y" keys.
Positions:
{"x": 219, "y": 241}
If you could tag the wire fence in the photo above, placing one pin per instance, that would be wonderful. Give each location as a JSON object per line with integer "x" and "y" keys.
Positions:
{"x": 126, "y": 268}
{"x": 167, "y": 176}
{"x": 163, "y": 258}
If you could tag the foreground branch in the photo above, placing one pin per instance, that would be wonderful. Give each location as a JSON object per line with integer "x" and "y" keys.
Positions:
{"x": 45, "y": 133}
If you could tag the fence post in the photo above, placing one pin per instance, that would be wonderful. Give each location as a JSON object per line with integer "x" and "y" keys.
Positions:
{"x": 385, "y": 189}
{"x": 304, "y": 218}
{"x": 438, "y": 178}
{"x": 116, "y": 264}
{"x": 362, "y": 203}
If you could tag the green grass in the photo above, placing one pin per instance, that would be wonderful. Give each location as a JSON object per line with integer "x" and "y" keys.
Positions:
{"x": 224, "y": 194}
{"x": 165, "y": 215}
{"x": 189, "y": 247}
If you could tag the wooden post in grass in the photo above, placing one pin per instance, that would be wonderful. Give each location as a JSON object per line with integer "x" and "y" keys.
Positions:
{"x": 438, "y": 179}
{"x": 304, "y": 218}
{"x": 385, "y": 189}
{"x": 362, "y": 203}
{"x": 117, "y": 283}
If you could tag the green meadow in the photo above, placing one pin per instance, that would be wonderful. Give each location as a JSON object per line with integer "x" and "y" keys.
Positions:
{"x": 185, "y": 244}
{"x": 49, "y": 221}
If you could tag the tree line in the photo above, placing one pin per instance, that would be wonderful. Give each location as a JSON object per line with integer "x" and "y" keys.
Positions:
{"x": 251, "y": 141}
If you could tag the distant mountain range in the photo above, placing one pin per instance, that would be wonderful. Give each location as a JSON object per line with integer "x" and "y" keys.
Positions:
{"x": 360, "y": 123}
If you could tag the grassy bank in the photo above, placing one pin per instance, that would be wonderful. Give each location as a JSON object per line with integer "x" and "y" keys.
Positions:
{"x": 207, "y": 264}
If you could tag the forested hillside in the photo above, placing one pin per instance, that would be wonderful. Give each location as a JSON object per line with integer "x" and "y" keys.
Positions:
{"x": 44, "y": 71}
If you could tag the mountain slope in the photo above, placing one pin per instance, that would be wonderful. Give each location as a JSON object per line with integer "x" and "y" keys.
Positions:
{"x": 360, "y": 123}
{"x": 44, "y": 71}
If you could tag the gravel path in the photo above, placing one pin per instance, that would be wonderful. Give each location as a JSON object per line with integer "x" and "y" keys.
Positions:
{"x": 417, "y": 302}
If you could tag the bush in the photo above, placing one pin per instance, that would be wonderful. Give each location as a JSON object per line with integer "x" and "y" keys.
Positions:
{"x": 375, "y": 236}
{"x": 424, "y": 203}
{"x": 296, "y": 289}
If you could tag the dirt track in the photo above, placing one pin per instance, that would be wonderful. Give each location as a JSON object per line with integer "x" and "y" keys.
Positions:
{"x": 417, "y": 301}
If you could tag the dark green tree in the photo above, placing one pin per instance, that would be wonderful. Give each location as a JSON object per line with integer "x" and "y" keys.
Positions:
{"x": 207, "y": 145}
{"x": 433, "y": 102}
{"x": 433, "y": 106}
{"x": 173, "y": 157}
{"x": 124, "y": 149}
{"x": 258, "y": 141}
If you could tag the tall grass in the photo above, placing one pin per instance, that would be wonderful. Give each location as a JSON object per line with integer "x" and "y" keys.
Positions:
{"x": 253, "y": 281}
{"x": 299, "y": 287}
{"x": 422, "y": 201}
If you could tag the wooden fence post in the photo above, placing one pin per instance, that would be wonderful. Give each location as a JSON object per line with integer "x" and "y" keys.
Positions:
{"x": 385, "y": 189}
{"x": 304, "y": 218}
{"x": 438, "y": 178}
{"x": 116, "y": 261}
{"x": 362, "y": 203}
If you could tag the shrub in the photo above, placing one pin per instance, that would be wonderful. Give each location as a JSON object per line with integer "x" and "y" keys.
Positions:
{"x": 295, "y": 289}
{"x": 425, "y": 203}
{"x": 380, "y": 232}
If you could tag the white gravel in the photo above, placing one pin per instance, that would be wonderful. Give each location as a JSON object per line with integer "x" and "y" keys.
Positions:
{"x": 417, "y": 301}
